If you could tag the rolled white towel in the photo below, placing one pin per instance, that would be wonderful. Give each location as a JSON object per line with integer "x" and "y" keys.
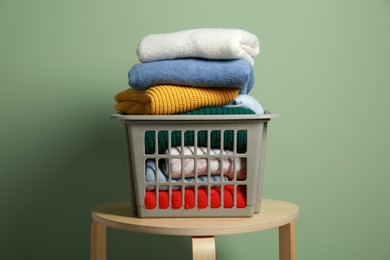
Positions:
{"x": 207, "y": 43}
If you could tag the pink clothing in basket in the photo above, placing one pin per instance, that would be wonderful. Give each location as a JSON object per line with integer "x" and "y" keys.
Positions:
{"x": 230, "y": 165}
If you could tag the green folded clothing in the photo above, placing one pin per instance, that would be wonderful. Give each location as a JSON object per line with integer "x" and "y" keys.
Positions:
{"x": 215, "y": 136}
{"x": 219, "y": 111}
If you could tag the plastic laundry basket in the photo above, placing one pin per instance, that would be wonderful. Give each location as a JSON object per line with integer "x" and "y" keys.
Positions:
{"x": 196, "y": 165}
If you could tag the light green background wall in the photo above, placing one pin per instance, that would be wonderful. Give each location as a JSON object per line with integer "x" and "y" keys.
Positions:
{"x": 324, "y": 66}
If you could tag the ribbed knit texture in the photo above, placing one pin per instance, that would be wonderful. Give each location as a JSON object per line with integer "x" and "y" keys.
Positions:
{"x": 219, "y": 111}
{"x": 169, "y": 99}
{"x": 194, "y": 73}
{"x": 215, "y": 195}
{"x": 162, "y": 177}
{"x": 215, "y": 136}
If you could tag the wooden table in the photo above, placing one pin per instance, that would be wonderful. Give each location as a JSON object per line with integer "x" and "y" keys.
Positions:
{"x": 274, "y": 213}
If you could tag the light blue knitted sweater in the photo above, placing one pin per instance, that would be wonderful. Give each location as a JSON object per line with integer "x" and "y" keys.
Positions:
{"x": 193, "y": 72}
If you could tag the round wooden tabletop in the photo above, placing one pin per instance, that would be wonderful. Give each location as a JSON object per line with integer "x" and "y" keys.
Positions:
{"x": 274, "y": 213}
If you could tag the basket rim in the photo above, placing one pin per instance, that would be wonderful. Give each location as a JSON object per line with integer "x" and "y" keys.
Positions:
{"x": 266, "y": 116}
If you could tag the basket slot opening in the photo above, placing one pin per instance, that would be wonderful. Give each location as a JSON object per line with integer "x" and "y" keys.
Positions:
{"x": 215, "y": 140}
{"x": 215, "y": 197}
{"x": 176, "y": 199}
{"x": 240, "y": 196}
{"x": 150, "y": 142}
{"x": 240, "y": 169}
{"x": 202, "y": 138}
{"x": 175, "y": 139}
{"x": 203, "y": 199}
{"x": 163, "y": 197}
{"x": 216, "y": 170}
{"x": 162, "y": 141}
{"x": 150, "y": 197}
{"x": 189, "y": 197}
{"x": 151, "y": 171}
{"x": 228, "y": 140}
{"x": 241, "y": 141}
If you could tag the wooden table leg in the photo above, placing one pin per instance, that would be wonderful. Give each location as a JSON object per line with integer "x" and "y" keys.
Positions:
{"x": 98, "y": 241}
{"x": 203, "y": 248}
{"x": 287, "y": 242}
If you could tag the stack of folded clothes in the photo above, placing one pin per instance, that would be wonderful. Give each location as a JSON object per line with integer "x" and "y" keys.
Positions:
{"x": 192, "y": 72}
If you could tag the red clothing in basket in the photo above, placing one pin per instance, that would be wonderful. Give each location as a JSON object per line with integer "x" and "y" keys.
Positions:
{"x": 189, "y": 198}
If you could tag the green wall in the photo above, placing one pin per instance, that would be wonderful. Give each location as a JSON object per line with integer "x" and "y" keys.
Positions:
{"x": 324, "y": 66}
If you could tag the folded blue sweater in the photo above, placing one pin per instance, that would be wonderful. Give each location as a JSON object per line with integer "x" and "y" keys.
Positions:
{"x": 193, "y": 72}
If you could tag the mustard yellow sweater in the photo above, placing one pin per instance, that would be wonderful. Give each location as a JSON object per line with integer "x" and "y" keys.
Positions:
{"x": 168, "y": 99}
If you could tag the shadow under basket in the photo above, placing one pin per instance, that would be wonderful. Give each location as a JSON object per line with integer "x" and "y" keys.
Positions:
{"x": 196, "y": 165}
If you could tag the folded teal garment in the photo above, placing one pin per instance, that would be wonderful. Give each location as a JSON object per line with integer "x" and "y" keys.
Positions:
{"x": 240, "y": 140}
{"x": 193, "y": 72}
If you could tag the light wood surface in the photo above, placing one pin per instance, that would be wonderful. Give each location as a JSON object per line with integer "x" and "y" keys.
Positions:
{"x": 274, "y": 213}
{"x": 287, "y": 242}
{"x": 98, "y": 241}
{"x": 203, "y": 248}
{"x": 119, "y": 215}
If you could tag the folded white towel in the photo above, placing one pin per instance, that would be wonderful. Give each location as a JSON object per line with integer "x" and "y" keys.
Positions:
{"x": 207, "y": 43}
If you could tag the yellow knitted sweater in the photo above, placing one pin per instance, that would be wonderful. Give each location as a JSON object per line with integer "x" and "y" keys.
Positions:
{"x": 168, "y": 99}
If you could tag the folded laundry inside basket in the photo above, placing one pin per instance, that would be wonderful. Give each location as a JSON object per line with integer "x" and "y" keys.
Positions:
{"x": 202, "y": 198}
{"x": 208, "y": 43}
{"x": 229, "y": 140}
{"x": 214, "y": 137}
{"x": 231, "y": 167}
{"x": 246, "y": 101}
{"x": 220, "y": 110}
{"x": 169, "y": 99}
{"x": 193, "y": 72}
{"x": 162, "y": 178}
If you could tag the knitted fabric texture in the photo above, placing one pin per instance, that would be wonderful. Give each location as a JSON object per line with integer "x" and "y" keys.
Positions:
{"x": 228, "y": 166}
{"x": 229, "y": 140}
{"x": 219, "y": 110}
{"x": 150, "y": 177}
{"x": 208, "y": 43}
{"x": 202, "y": 198}
{"x": 193, "y": 72}
{"x": 169, "y": 99}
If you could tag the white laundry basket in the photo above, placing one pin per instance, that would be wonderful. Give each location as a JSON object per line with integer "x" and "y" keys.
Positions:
{"x": 196, "y": 165}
